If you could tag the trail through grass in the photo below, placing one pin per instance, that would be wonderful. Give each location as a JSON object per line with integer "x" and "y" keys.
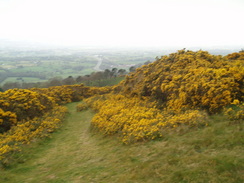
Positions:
{"x": 75, "y": 155}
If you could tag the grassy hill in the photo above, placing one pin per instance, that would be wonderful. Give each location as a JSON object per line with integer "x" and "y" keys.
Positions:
{"x": 178, "y": 119}
{"x": 75, "y": 154}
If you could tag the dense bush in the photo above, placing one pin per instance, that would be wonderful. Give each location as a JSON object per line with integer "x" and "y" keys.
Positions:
{"x": 28, "y": 130}
{"x": 235, "y": 111}
{"x": 189, "y": 80}
{"x": 7, "y": 119}
{"x": 135, "y": 119}
{"x": 71, "y": 93}
{"x": 174, "y": 91}
{"x": 81, "y": 107}
{"x": 21, "y": 104}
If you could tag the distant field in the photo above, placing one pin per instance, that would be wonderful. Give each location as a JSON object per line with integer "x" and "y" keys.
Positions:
{"x": 41, "y": 65}
{"x": 24, "y": 79}
{"x": 43, "y": 71}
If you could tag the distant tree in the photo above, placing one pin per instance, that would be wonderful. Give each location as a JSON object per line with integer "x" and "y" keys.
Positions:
{"x": 132, "y": 69}
{"x": 121, "y": 71}
{"x": 80, "y": 79}
{"x": 11, "y": 85}
{"x": 114, "y": 69}
{"x": 97, "y": 75}
{"x": 114, "y": 72}
{"x": 107, "y": 73}
{"x": 56, "y": 81}
{"x": 27, "y": 85}
{"x": 147, "y": 62}
{"x": 68, "y": 81}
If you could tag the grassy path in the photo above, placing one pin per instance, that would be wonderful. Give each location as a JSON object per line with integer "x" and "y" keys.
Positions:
{"x": 75, "y": 155}
{"x": 67, "y": 157}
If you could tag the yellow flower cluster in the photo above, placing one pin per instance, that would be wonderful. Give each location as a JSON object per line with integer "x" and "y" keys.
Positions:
{"x": 81, "y": 107}
{"x": 235, "y": 111}
{"x": 20, "y": 104}
{"x": 189, "y": 80}
{"x": 71, "y": 93}
{"x": 7, "y": 119}
{"x": 26, "y": 131}
{"x": 137, "y": 120}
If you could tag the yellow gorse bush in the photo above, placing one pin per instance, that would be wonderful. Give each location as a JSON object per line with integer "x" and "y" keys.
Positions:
{"x": 20, "y": 104}
{"x": 187, "y": 79}
{"x": 71, "y": 93}
{"x": 23, "y": 104}
{"x": 7, "y": 119}
{"x": 28, "y": 130}
{"x": 138, "y": 120}
{"x": 235, "y": 111}
{"x": 81, "y": 107}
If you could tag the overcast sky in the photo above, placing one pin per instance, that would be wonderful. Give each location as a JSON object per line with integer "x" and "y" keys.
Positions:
{"x": 124, "y": 22}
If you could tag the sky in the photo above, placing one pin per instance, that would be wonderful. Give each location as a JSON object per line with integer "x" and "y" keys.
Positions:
{"x": 185, "y": 23}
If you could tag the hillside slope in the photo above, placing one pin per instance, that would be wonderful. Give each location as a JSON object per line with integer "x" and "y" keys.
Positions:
{"x": 179, "y": 90}
{"x": 181, "y": 118}
{"x": 188, "y": 79}
{"x": 74, "y": 154}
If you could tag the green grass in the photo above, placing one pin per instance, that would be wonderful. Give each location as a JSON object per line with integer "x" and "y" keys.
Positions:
{"x": 26, "y": 80}
{"x": 47, "y": 68}
{"x": 105, "y": 82}
{"x": 74, "y": 154}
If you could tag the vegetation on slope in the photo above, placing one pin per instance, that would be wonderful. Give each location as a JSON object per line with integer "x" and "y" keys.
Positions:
{"x": 75, "y": 154}
{"x": 139, "y": 120}
{"x": 178, "y": 101}
{"x": 188, "y": 79}
{"x": 29, "y": 114}
{"x": 99, "y": 78}
{"x": 174, "y": 92}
